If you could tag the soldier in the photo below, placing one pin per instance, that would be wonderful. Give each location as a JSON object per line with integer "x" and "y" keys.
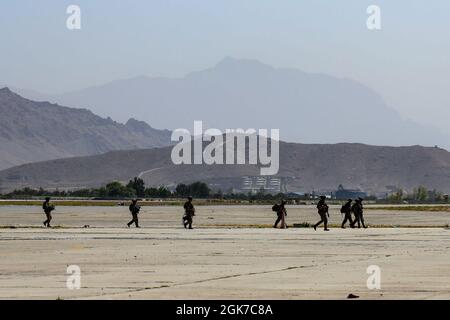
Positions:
{"x": 347, "y": 211}
{"x": 48, "y": 208}
{"x": 281, "y": 215}
{"x": 357, "y": 209}
{"x": 322, "y": 209}
{"x": 134, "y": 209}
{"x": 189, "y": 212}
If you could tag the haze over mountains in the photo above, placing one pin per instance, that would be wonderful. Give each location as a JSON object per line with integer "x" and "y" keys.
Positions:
{"x": 34, "y": 131}
{"x": 233, "y": 94}
{"x": 237, "y": 93}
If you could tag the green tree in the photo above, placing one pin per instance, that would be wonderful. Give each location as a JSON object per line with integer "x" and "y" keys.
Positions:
{"x": 117, "y": 190}
{"x": 420, "y": 194}
{"x": 138, "y": 185}
{"x": 199, "y": 190}
{"x": 182, "y": 190}
{"x": 160, "y": 192}
{"x": 163, "y": 192}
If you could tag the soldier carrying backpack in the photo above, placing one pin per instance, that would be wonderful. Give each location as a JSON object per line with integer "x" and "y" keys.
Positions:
{"x": 358, "y": 209}
{"x": 189, "y": 213}
{"x": 322, "y": 209}
{"x": 346, "y": 210}
{"x": 134, "y": 209}
{"x": 281, "y": 214}
{"x": 48, "y": 208}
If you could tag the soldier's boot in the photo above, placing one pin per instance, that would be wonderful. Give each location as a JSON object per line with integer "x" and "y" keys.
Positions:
{"x": 353, "y": 223}
{"x": 364, "y": 226}
{"x": 276, "y": 222}
{"x": 317, "y": 224}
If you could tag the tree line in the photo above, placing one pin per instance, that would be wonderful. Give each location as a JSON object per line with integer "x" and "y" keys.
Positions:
{"x": 419, "y": 195}
{"x": 135, "y": 188}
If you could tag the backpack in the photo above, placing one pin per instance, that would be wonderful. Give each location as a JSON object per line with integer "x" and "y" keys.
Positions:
{"x": 344, "y": 209}
{"x": 323, "y": 208}
{"x": 276, "y": 207}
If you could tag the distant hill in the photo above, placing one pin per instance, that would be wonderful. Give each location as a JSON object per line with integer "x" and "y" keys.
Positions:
{"x": 241, "y": 93}
{"x": 303, "y": 167}
{"x": 34, "y": 131}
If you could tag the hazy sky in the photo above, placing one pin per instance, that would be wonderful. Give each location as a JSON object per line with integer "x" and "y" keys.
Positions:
{"x": 407, "y": 62}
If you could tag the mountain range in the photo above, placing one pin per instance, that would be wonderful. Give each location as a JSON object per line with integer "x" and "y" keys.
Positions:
{"x": 242, "y": 93}
{"x": 33, "y": 131}
{"x": 44, "y": 144}
{"x": 303, "y": 168}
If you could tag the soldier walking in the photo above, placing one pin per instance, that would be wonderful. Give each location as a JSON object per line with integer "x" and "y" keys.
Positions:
{"x": 48, "y": 208}
{"x": 347, "y": 211}
{"x": 189, "y": 213}
{"x": 281, "y": 215}
{"x": 322, "y": 209}
{"x": 357, "y": 209}
{"x": 134, "y": 209}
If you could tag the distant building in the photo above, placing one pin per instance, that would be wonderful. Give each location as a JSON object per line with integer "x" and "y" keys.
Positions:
{"x": 343, "y": 193}
{"x": 255, "y": 184}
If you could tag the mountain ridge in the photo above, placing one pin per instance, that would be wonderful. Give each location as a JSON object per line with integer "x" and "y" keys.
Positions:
{"x": 303, "y": 168}
{"x": 245, "y": 93}
{"x": 31, "y": 131}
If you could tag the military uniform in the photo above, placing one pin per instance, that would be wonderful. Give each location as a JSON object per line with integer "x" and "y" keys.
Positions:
{"x": 48, "y": 208}
{"x": 358, "y": 209}
{"x": 134, "y": 209}
{"x": 347, "y": 211}
{"x": 281, "y": 216}
{"x": 189, "y": 213}
{"x": 322, "y": 209}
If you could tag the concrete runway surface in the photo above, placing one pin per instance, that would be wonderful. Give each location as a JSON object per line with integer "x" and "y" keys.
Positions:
{"x": 165, "y": 261}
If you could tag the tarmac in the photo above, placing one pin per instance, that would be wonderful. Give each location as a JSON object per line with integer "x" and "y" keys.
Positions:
{"x": 231, "y": 255}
